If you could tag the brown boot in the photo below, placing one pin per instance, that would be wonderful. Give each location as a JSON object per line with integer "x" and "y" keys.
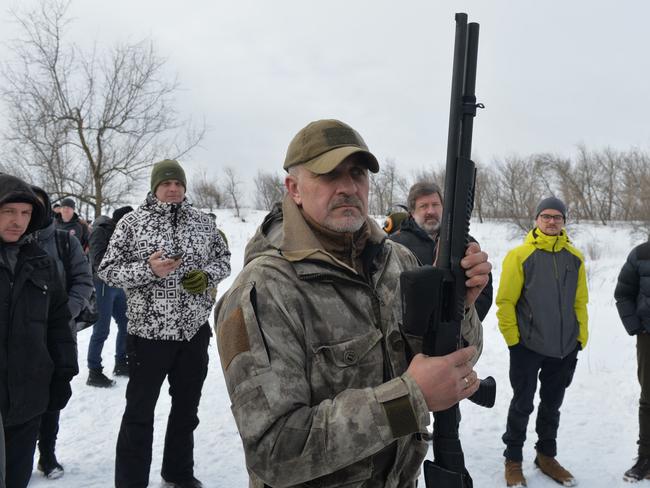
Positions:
{"x": 514, "y": 474}
{"x": 551, "y": 468}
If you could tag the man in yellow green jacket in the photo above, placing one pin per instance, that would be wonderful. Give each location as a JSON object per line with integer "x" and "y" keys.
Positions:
{"x": 542, "y": 313}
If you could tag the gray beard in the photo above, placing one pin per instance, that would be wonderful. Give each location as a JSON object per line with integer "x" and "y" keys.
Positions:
{"x": 351, "y": 224}
{"x": 431, "y": 229}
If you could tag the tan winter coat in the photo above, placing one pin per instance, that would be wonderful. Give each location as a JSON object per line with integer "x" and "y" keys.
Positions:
{"x": 314, "y": 362}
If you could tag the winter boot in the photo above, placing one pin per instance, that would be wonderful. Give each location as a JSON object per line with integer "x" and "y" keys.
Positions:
{"x": 640, "y": 470}
{"x": 50, "y": 467}
{"x": 187, "y": 483}
{"x": 121, "y": 368}
{"x": 554, "y": 470}
{"x": 99, "y": 379}
{"x": 514, "y": 474}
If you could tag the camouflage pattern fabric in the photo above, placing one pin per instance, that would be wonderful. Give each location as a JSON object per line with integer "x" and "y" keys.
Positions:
{"x": 314, "y": 362}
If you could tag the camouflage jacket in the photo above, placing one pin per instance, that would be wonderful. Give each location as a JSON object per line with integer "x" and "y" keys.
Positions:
{"x": 159, "y": 308}
{"x": 315, "y": 362}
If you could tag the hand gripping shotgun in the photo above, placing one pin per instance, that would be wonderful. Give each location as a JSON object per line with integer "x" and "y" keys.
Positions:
{"x": 433, "y": 297}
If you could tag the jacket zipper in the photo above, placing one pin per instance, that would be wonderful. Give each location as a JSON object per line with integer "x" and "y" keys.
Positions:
{"x": 559, "y": 297}
{"x": 174, "y": 211}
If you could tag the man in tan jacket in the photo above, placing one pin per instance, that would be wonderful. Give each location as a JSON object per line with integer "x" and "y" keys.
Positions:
{"x": 309, "y": 334}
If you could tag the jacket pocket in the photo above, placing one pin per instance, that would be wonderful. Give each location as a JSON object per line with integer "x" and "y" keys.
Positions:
{"x": 353, "y": 363}
{"x": 352, "y": 476}
{"x": 38, "y": 308}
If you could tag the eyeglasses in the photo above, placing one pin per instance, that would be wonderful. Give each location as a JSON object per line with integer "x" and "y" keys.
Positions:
{"x": 548, "y": 218}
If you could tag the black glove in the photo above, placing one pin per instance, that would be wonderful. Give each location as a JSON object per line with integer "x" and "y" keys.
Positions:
{"x": 60, "y": 393}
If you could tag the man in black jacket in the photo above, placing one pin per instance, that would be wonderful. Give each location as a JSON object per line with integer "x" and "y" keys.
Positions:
{"x": 632, "y": 295}
{"x": 68, "y": 220}
{"x": 419, "y": 232}
{"x": 37, "y": 351}
{"x": 111, "y": 303}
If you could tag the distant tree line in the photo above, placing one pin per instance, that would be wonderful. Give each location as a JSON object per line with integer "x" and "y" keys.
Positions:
{"x": 597, "y": 185}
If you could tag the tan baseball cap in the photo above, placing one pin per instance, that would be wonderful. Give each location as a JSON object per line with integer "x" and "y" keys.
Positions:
{"x": 322, "y": 145}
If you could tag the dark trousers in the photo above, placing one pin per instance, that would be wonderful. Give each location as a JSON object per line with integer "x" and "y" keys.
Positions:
{"x": 20, "y": 444}
{"x": 643, "y": 373}
{"x": 111, "y": 303}
{"x": 185, "y": 364}
{"x": 555, "y": 375}
{"x": 47, "y": 434}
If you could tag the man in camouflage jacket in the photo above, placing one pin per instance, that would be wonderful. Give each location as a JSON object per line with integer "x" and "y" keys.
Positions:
{"x": 168, "y": 257}
{"x": 309, "y": 334}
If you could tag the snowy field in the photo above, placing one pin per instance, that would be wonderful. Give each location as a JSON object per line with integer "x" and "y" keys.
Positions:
{"x": 598, "y": 429}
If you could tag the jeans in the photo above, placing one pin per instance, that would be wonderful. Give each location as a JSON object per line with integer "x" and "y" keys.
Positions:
{"x": 111, "y": 303}
{"x": 555, "y": 375}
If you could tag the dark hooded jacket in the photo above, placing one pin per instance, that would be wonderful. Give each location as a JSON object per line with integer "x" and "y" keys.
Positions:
{"x": 411, "y": 235}
{"x": 78, "y": 279}
{"x": 103, "y": 228}
{"x": 632, "y": 291}
{"x": 37, "y": 351}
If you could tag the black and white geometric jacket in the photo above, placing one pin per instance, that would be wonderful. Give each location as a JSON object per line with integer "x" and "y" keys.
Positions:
{"x": 159, "y": 308}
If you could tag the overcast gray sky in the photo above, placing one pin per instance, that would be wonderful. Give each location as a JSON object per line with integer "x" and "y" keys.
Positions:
{"x": 551, "y": 73}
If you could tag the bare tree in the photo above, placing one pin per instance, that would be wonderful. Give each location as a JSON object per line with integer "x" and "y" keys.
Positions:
{"x": 206, "y": 192}
{"x": 385, "y": 188}
{"x": 87, "y": 124}
{"x": 270, "y": 189}
{"x": 519, "y": 182}
{"x": 232, "y": 189}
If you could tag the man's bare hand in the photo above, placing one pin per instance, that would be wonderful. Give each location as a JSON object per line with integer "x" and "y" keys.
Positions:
{"x": 445, "y": 380}
{"x": 477, "y": 268}
{"x": 160, "y": 266}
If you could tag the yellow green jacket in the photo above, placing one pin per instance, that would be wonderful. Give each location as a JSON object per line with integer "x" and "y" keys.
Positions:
{"x": 542, "y": 297}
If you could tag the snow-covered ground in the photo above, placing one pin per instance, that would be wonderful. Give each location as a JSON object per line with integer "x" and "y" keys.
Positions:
{"x": 598, "y": 429}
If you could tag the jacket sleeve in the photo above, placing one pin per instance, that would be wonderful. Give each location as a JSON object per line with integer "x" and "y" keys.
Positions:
{"x": 287, "y": 439}
{"x": 121, "y": 267}
{"x": 484, "y": 300}
{"x": 61, "y": 343}
{"x": 81, "y": 279}
{"x": 510, "y": 286}
{"x": 580, "y": 305}
{"x": 219, "y": 266}
{"x": 98, "y": 242}
{"x": 626, "y": 293}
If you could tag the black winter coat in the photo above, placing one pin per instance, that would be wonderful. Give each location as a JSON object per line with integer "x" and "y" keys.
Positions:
{"x": 39, "y": 352}
{"x": 76, "y": 227}
{"x": 411, "y": 235}
{"x": 103, "y": 228}
{"x": 38, "y": 355}
{"x": 632, "y": 291}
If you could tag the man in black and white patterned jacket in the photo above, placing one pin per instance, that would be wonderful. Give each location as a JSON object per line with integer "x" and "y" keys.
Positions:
{"x": 169, "y": 258}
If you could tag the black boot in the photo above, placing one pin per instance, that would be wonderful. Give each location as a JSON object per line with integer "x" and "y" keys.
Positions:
{"x": 99, "y": 379}
{"x": 187, "y": 483}
{"x": 121, "y": 368}
{"x": 640, "y": 470}
{"x": 50, "y": 467}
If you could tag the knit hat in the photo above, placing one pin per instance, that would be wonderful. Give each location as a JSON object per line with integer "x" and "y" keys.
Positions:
{"x": 324, "y": 144}
{"x": 552, "y": 203}
{"x": 167, "y": 169}
{"x": 68, "y": 202}
{"x": 118, "y": 213}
